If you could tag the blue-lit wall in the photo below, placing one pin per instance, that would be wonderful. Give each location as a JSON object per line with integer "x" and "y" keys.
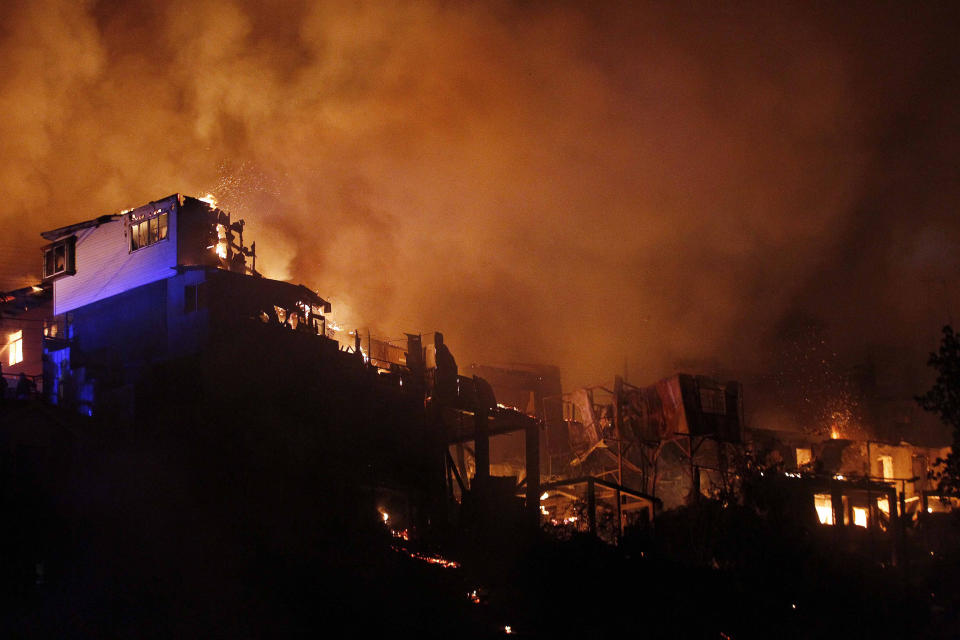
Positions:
{"x": 115, "y": 340}
{"x": 106, "y": 266}
{"x": 123, "y": 331}
{"x": 187, "y": 330}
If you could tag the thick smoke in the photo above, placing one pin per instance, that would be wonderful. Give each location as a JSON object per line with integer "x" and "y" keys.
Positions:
{"x": 549, "y": 182}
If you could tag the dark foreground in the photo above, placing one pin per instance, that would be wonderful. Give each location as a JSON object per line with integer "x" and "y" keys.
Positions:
{"x": 152, "y": 541}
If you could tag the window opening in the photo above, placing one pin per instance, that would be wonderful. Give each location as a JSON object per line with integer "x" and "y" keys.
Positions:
{"x": 194, "y": 297}
{"x": 147, "y": 229}
{"x": 886, "y": 467}
{"x": 59, "y": 258}
{"x": 15, "y": 348}
{"x": 823, "y": 503}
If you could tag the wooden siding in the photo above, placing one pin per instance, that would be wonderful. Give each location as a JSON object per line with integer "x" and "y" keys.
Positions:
{"x": 106, "y": 266}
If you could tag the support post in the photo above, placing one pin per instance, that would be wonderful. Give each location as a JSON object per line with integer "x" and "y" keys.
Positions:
{"x": 696, "y": 483}
{"x": 462, "y": 462}
{"x": 533, "y": 474}
{"x": 619, "y": 516}
{"x": 896, "y": 528}
{"x": 836, "y": 500}
{"x": 591, "y": 507}
{"x": 481, "y": 446}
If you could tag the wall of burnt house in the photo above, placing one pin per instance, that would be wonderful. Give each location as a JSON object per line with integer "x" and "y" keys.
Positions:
{"x": 536, "y": 391}
{"x": 210, "y": 359}
{"x": 725, "y": 419}
{"x": 196, "y": 233}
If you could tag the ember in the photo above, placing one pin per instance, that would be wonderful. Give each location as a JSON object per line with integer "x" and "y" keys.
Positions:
{"x": 432, "y": 559}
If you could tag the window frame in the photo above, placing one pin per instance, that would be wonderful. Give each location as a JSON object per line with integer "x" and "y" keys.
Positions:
{"x": 49, "y": 265}
{"x": 713, "y": 400}
{"x": 144, "y": 230}
{"x": 15, "y": 348}
{"x": 194, "y": 297}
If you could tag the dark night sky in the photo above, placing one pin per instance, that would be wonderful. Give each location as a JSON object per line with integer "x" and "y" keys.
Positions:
{"x": 575, "y": 183}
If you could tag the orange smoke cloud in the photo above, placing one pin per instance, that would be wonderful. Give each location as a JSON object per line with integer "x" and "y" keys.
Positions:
{"x": 562, "y": 183}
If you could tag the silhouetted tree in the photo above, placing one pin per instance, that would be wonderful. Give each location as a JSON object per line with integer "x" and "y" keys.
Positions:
{"x": 944, "y": 400}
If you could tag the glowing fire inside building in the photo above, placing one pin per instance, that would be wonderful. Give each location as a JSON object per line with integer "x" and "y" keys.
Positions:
{"x": 157, "y": 315}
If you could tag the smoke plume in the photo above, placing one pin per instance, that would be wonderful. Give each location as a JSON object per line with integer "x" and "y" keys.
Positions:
{"x": 585, "y": 184}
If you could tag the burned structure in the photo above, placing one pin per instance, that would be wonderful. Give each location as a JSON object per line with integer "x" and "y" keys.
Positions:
{"x": 156, "y": 321}
{"x": 855, "y": 482}
{"x": 672, "y": 440}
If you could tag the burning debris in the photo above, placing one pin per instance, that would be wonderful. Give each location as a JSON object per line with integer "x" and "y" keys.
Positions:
{"x": 428, "y": 558}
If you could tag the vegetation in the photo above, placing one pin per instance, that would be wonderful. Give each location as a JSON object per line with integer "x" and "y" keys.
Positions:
{"x": 943, "y": 398}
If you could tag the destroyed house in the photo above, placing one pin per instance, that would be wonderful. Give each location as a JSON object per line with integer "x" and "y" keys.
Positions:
{"x": 162, "y": 329}
{"x": 535, "y": 391}
{"x": 163, "y": 281}
{"x": 672, "y": 439}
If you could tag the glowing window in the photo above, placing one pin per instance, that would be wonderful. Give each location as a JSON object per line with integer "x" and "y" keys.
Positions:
{"x": 804, "y": 457}
{"x": 824, "y": 505}
{"x": 860, "y": 517}
{"x": 147, "y": 229}
{"x": 886, "y": 467}
{"x": 15, "y": 348}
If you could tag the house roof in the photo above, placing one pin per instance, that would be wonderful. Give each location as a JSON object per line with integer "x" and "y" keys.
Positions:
{"x": 56, "y": 234}
{"x": 25, "y": 298}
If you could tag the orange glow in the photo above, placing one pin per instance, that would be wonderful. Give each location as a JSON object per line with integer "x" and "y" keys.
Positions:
{"x": 823, "y": 503}
{"x": 860, "y": 517}
{"x": 432, "y": 559}
{"x": 210, "y": 199}
{"x": 457, "y": 107}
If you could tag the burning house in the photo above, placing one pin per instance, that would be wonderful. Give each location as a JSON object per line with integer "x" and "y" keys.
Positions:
{"x": 157, "y": 316}
{"x": 157, "y": 319}
{"x": 854, "y": 477}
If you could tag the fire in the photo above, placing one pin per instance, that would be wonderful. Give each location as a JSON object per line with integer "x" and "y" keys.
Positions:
{"x": 210, "y": 199}
{"x": 432, "y": 559}
{"x": 222, "y": 242}
{"x": 843, "y": 418}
